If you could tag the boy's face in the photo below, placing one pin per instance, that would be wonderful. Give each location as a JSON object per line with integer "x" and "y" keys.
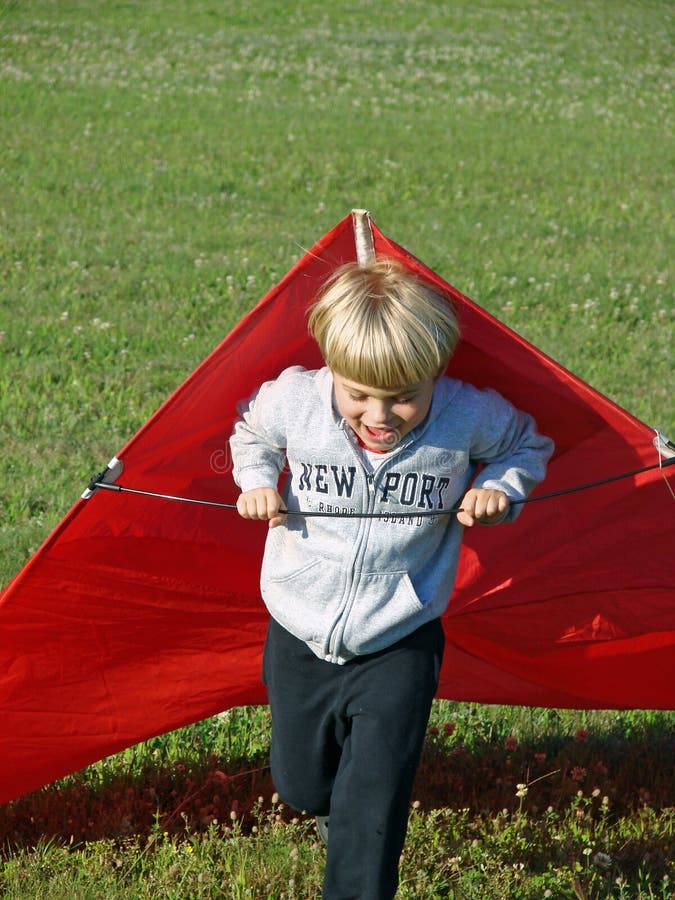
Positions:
{"x": 381, "y": 418}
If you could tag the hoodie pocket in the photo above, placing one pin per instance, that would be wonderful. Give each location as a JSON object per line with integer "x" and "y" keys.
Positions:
{"x": 386, "y": 607}
{"x": 304, "y": 597}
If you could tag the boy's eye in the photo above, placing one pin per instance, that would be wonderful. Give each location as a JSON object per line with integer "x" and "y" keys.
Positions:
{"x": 361, "y": 397}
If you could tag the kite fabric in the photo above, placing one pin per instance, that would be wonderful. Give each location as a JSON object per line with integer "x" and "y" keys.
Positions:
{"x": 139, "y": 615}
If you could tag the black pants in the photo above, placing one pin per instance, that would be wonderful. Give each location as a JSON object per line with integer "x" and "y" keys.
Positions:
{"x": 346, "y": 742}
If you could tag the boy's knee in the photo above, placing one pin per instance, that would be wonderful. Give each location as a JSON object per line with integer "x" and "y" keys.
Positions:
{"x": 302, "y": 791}
{"x": 304, "y": 799}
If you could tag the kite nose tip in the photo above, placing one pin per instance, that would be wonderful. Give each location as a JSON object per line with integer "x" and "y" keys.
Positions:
{"x": 363, "y": 237}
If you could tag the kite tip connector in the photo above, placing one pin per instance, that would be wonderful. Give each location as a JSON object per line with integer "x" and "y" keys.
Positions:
{"x": 664, "y": 446}
{"x": 110, "y": 474}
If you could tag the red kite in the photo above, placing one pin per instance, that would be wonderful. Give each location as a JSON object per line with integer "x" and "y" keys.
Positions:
{"x": 139, "y": 615}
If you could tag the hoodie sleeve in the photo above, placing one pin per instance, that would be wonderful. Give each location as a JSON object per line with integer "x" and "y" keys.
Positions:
{"x": 258, "y": 441}
{"x": 512, "y": 452}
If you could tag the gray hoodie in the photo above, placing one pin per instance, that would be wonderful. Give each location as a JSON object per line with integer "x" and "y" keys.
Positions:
{"x": 349, "y": 586}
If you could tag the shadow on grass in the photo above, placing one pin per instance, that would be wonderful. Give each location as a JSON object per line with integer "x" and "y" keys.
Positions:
{"x": 613, "y": 774}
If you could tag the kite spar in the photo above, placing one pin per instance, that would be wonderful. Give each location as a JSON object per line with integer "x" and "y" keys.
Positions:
{"x": 139, "y": 615}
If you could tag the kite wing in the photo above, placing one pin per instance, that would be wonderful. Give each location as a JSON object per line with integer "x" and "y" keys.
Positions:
{"x": 139, "y": 615}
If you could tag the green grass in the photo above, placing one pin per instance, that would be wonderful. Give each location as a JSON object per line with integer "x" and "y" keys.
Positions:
{"x": 162, "y": 165}
{"x": 508, "y": 803}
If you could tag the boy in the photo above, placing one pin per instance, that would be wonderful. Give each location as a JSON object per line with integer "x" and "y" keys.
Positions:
{"x": 355, "y": 643}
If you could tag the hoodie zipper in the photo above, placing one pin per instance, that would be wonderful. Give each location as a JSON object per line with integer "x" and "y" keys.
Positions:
{"x": 334, "y": 640}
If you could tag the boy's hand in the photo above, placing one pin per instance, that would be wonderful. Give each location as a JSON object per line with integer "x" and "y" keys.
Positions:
{"x": 261, "y": 503}
{"x": 483, "y": 506}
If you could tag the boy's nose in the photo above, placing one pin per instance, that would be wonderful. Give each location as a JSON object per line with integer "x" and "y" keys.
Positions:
{"x": 380, "y": 412}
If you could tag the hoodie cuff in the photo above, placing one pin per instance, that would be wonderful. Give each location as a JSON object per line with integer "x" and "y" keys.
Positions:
{"x": 258, "y": 477}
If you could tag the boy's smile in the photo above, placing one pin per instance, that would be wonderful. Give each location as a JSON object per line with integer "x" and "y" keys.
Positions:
{"x": 381, "y": 418}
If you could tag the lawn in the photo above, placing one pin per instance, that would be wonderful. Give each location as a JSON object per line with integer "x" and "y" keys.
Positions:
{"x": 163, "y": 164}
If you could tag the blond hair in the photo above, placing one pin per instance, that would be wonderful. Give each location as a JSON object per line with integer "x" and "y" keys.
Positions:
{"x": 382, "y": 326}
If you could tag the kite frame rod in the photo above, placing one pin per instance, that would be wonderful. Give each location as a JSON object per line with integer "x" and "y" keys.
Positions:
{"x": 96, "y": 484}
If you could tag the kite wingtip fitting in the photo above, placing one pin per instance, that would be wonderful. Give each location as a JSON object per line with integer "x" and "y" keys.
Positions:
{"x": 665, "y": 447}
{"x": 110, "y": 474}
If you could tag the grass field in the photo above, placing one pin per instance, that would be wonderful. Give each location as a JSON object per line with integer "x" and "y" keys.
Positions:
{"x": 162, "y": 165}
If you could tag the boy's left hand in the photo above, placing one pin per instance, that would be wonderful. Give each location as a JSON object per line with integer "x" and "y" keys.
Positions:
{"x": 483, "y": 507}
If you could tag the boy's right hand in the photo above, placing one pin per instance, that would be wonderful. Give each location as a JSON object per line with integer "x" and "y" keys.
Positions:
{"x": 261, "y": 503}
